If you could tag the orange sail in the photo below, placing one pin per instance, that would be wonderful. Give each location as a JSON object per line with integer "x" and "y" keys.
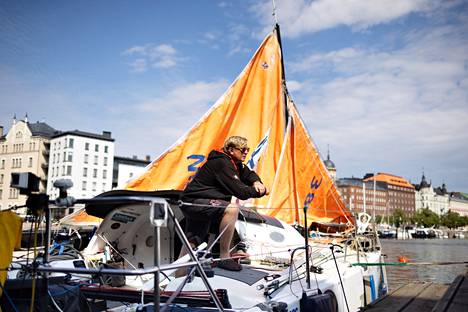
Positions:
{"x": 257, "y": 106}
{"x": 301, "y": 180}
{"x": 247, "y": 109}
{"x": 314, "y": 186}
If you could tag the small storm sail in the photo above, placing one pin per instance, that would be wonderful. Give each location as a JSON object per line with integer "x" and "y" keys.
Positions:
{"x": 258, "y": 107}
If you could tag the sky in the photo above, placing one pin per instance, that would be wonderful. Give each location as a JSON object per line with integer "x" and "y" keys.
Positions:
{"x": 382, "y": 84}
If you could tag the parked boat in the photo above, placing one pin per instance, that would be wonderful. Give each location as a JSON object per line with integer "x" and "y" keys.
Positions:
{"x": 424, "y": 233}
{"x": 134, "y": 250}
{"x": 386, "y": 231}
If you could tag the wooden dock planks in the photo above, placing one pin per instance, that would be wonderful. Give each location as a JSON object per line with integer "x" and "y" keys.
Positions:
{"x": 426, "y": 297}
{"x": 418, "y": 296}
{"x": 455, "y": 298}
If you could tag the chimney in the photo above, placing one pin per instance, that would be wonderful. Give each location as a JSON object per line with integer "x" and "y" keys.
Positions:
{"x": 106, "y": 134}
{"x": 1, "y": 131}
{"x": 148, "y": 158}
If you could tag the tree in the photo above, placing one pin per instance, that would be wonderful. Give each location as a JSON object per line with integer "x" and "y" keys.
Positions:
{"x": 453, "y": 220}
{"x": 379, "y": 219}
{"x": 426, "y": 217}
{"x": 398, "y": 217}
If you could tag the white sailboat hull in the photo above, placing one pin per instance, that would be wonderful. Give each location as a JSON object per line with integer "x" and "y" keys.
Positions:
{"x": 269, "y": 245}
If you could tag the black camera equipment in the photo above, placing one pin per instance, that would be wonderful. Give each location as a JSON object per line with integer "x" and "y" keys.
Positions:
{"x": 64, "y": 200}
{"x": 28, "y": 184}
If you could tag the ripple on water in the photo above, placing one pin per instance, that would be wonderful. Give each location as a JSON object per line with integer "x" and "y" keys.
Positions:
{"x": 425, "y": 250}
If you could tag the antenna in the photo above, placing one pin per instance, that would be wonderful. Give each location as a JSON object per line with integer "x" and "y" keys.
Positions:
{"x": 274, "y": 11}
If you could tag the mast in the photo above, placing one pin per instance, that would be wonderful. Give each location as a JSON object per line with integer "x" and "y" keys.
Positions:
{"x": 283, "y": 75}
{"x": 373, "y": 208}
{"x": 364, "y": 195}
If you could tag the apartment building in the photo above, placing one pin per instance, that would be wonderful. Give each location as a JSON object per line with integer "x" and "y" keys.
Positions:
{"x": 127, "y": 169}
{"x": 401, "y": 193}
{"x": 84, "y": 158}
{"x": 364, "y": 196}
{"x": 435, "y": 199}
{"x": 25, "y": 148}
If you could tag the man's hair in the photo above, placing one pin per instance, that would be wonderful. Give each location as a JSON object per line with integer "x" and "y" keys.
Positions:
{"x": 235, "y": 141}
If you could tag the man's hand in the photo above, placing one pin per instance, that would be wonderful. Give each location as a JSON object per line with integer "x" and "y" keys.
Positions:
{"x": 259, "y": 187}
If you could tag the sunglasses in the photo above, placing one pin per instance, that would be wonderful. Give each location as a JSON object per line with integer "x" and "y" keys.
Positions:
{"x": 243, "y": 150}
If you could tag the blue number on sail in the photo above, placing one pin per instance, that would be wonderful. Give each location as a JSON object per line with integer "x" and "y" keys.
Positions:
{"x": 193, "y": 167}
{"x": 257, "y": 152}
{"x": 314, "y": 185}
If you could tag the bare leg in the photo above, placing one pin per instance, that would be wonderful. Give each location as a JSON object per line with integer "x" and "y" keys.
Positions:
{"x": 182, "y": 271}
{"x": 229, "y": 219}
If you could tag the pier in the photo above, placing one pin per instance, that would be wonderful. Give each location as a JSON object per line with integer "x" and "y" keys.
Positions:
{"x": 425, "y": 297}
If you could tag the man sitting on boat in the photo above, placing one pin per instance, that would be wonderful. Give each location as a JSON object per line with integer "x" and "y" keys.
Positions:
{"x": 208, "y": 196}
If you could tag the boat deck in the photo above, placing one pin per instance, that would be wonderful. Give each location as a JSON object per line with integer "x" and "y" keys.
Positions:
{"x": 426, "y": 296}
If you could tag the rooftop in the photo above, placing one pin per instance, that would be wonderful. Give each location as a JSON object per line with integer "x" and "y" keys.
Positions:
{"x": 391, "y": 179}
{"x": 106, "y": 135}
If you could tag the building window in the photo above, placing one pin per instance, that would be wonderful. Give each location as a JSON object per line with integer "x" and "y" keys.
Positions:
{"x": 86, "y": 158}
{"x": 19, "y": 135}
{"x": 94, "y": 173}
{"x": 96, "y": 148}
{"x": 64, "y": 156}
{"x": 86, "y": 146}
{"x": 53, "y": 171}
{"x": 1, "y": 195}
{"x": 1, "y": 178}
{"x": 105, "y": 161}
{"x": 95, "y": 159}
{"x": 83, "y": 186}
{"x": 106, "y": 149}
{"x": 103, "y": 187}
{"x": 13, "y": 193}
{"x": 94, "y": 186}
{"x": 85, "y": 172}
{"x": 3, "y": 164}
{"x": 104, "y": 174}
{"x": 70, "y": 143}
{"x": 16, "y": 163}
{"x": 70, "y": 156}
{"x": 69, "y": 170}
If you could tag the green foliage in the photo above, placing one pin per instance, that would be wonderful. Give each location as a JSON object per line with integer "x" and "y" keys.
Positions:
{"x": 426, "y": 217}
{"x": 453, "y": 220}
{"x": 379, "y": 219}
{"x": 399, "y": 217}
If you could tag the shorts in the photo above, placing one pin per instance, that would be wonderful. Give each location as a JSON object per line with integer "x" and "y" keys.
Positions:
{"x": 202, "y": 218}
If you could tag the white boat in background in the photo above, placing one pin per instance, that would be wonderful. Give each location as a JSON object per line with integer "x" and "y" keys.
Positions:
{"x": 424, "y": 233}
{"x": 135, "y": 247}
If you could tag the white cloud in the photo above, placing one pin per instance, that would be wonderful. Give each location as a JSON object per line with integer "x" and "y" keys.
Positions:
{"x": 237, "y": 38}
{"x": 185, "y": 99}
{"x": 153, "y": 56}
{"x": 393, "y": 110}
{"x": 159, "y": 121}
{"x": 294, "y": 85}
{"x": 300, "y": 16}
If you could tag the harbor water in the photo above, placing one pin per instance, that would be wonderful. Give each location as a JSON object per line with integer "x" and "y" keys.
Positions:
{"x": 425, "y": 250}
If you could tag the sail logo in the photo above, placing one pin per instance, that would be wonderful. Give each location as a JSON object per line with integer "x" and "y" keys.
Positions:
{"x": 195, "y": 165}
{"x": 254, "y": 158}
{"x": 314, "y": 186}
{"x": 265, "y": 65}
